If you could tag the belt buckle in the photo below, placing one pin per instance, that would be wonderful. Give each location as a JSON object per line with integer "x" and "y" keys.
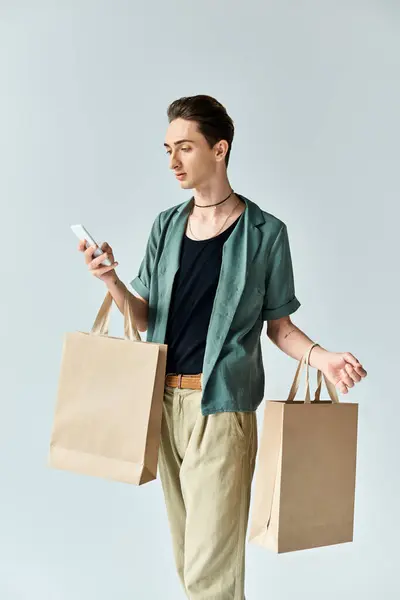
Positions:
{"x": 180, "y": 381}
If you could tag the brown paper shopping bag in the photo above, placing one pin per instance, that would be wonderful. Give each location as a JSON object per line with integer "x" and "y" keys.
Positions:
{"x": 108, "y": 413}
{"x": 305, "y": 480}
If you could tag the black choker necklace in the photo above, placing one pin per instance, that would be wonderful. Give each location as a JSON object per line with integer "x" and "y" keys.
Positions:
{"x": 208, "y": 205}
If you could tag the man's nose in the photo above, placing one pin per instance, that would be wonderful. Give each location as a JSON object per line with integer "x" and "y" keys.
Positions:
{"x": 173, "y": 162}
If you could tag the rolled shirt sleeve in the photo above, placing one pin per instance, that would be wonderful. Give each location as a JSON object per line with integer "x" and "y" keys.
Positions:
{"x": 280, "y": 299}
{"x": 141, "y": 283}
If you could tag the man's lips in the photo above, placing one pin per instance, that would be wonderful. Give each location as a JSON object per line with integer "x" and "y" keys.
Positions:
{"x": 180, "y": 175}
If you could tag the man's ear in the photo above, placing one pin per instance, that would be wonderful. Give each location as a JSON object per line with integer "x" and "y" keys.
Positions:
{"x": 221, "y": 149}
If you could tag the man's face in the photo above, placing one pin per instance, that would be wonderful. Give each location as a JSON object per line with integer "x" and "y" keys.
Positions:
{"x": 190, "y": 154}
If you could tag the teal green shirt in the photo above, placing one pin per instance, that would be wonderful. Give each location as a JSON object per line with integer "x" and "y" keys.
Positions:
{"x": 256, "y": 284}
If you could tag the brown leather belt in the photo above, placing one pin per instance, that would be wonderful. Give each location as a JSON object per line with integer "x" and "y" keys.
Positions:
{"x": 183, "y": 381}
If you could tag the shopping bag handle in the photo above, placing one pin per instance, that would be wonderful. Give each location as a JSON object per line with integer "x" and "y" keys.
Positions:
{"x": 102, "y": 320}
{"x": 295, "y": 385}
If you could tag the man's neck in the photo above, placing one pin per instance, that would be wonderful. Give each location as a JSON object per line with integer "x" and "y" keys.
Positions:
{"x": 213, "y": 194}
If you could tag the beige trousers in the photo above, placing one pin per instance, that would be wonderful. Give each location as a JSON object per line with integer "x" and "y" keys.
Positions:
{"x": 206, "y": 466}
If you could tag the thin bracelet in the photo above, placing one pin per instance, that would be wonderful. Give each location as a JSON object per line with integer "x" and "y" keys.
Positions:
{"x": 310, "y": 350}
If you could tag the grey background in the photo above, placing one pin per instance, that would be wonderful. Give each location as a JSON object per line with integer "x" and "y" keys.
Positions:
{"x": 313, "y": 88}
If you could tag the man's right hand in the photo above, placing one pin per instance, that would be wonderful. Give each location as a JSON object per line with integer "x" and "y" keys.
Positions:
{"x": 94, "y": 264}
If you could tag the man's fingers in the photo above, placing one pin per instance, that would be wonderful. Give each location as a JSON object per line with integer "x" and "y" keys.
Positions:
{"x": 342, "y": 388}
{"x": 101, "y": 271}
{"x": 89, "y": 252}
{"x": 351, "y": 359}
{"x": 353, "y": 373}
{"x": 98, "y": 260}
{"x": 346, "y": 379}
{"x": 361, "y": 371}
{"x": 107, "y": 248}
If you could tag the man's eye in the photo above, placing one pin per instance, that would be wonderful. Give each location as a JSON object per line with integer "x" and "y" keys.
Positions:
{"x": 185, "y": 149}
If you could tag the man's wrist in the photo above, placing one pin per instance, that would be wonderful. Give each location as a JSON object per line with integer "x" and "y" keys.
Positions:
{"x": 318, "y": 357}
{"x": 113, "y": 282}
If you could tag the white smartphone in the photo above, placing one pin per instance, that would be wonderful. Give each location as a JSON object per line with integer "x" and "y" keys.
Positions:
{"x": 83, "y": 234}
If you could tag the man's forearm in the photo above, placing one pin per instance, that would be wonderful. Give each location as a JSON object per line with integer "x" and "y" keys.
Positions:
{"x": 295, "y": 343}
{"x": 139, "y": 308}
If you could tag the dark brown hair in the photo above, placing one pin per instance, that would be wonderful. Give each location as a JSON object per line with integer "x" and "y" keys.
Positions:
{"x": 211, "y": 117}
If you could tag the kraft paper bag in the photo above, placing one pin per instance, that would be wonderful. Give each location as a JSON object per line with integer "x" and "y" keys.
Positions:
{"x": 304, "y": 488}
{"x": 108, "y": 413}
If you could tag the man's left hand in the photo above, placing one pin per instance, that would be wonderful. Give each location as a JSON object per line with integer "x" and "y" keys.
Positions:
{"x": 343, "y": 370}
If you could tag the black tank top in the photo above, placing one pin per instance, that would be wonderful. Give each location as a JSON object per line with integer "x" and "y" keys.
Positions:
{"x": 192, "y": 300}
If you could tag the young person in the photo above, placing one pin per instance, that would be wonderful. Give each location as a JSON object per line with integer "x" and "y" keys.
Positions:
{"x": 216, "y": 267}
